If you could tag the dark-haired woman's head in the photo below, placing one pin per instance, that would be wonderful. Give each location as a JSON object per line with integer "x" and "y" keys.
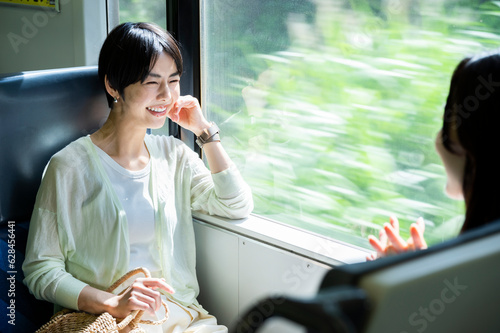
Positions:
{"x": 470, "y": 130}
{"x": 130, "y": 52}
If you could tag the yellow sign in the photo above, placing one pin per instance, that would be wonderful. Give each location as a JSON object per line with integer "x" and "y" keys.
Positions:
{"x": 54, "y": 4}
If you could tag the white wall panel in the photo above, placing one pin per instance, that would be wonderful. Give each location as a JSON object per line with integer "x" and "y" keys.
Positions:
{"x": 217, "y": 269}
{"x": 265, "y": 270}
{"x": 235, "y": 272}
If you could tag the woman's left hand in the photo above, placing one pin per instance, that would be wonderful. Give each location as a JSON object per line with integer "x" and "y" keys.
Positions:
{"x": 390, "y": 242}
{"x": 187, "y": 113}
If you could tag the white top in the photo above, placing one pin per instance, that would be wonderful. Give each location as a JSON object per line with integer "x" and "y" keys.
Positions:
{"x": 132, "y": 189}
{"x": 79, "y": 232}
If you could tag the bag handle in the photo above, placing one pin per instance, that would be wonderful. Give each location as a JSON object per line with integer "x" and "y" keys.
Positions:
{"x": 135, "y": 316}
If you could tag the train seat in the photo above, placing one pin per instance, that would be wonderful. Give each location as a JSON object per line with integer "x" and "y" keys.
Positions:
{"x": 40, "y": 112}
{"x": 450, "y": 287}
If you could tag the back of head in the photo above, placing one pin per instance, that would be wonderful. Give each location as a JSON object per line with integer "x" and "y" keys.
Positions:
{"x": 473, "y": 112}
{"x": 131, "y": 50}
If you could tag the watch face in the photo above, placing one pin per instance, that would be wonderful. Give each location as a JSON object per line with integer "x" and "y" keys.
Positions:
{"x": 199, "y": 143}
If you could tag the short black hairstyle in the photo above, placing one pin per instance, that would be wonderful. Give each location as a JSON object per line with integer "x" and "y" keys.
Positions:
{"x": 130, "y": 52}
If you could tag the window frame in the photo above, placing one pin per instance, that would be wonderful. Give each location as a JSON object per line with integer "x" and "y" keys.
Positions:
{"x": 182, "y": 18}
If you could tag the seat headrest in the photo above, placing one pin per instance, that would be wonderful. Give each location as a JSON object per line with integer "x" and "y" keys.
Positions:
{"x": 41, "y": 112}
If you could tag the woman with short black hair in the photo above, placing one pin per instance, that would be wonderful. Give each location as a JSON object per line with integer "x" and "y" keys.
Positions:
{"x": 120, "y": 198}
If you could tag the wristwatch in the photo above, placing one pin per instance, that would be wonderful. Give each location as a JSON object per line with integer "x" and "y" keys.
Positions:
{"x": 210, "y": 134}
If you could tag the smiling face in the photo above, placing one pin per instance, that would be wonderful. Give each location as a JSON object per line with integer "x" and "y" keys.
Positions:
{"x": 145, "y": 104}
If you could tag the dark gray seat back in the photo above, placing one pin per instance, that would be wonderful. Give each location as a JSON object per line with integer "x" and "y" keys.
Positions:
{"x": 40, "y": 113}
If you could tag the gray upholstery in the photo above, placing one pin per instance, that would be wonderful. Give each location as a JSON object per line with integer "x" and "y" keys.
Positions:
{"x": 40, "y": 113}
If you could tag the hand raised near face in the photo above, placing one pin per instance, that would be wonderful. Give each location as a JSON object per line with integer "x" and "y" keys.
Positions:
{"x": 188, "y": 114}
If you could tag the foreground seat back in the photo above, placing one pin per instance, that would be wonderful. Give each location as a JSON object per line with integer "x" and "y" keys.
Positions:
{"x": 451, "y": 287}
{"x": 40, "y": 113}
{"x": 451, "y": 290}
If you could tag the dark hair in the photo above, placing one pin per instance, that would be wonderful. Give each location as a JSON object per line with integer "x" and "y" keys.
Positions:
{"x": 130, "y": 52}
{"x": 473, "y": 112}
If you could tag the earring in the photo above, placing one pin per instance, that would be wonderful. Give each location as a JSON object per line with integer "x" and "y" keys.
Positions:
{"x": 115, "y": 100}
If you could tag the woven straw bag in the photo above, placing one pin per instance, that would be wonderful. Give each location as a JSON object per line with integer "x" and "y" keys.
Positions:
{"x": 83, "y": 322}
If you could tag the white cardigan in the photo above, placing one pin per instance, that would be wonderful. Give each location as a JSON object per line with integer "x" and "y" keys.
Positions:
{"x": 78, "y": 231}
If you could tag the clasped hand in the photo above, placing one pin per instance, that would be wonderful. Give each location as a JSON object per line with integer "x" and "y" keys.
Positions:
{"x": 390, "y": 242}
{"x": 143, "y": 295}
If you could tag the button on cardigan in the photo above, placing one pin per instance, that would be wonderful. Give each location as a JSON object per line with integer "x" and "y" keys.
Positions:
{"x": 78, "y": 231}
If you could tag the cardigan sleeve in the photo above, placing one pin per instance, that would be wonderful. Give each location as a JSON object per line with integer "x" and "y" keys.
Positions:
{"x": 44, "y": 265}
{"x": 224, "y": 194}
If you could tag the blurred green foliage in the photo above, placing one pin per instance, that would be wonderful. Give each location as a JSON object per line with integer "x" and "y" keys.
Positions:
{"x": 330, "y": 107}
{"x": 143, "y": 11}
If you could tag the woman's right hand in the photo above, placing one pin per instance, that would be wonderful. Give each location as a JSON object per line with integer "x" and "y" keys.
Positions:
{"x": 143, "y": 295}
{"x": 390, "y": 242}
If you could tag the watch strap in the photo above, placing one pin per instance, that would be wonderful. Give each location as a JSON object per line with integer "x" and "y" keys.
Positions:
{"x": 210, "y": 134}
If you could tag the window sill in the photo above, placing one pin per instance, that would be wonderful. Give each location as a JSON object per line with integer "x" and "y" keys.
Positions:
{"x": 288, "y": 238}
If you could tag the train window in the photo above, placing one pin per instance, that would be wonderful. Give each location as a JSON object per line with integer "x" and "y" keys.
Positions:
{"x": 143, "y": 11}
{"x": 330, "y": 107}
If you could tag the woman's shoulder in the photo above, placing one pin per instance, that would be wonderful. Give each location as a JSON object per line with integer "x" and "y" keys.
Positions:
{"x": 75, "y": 153}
